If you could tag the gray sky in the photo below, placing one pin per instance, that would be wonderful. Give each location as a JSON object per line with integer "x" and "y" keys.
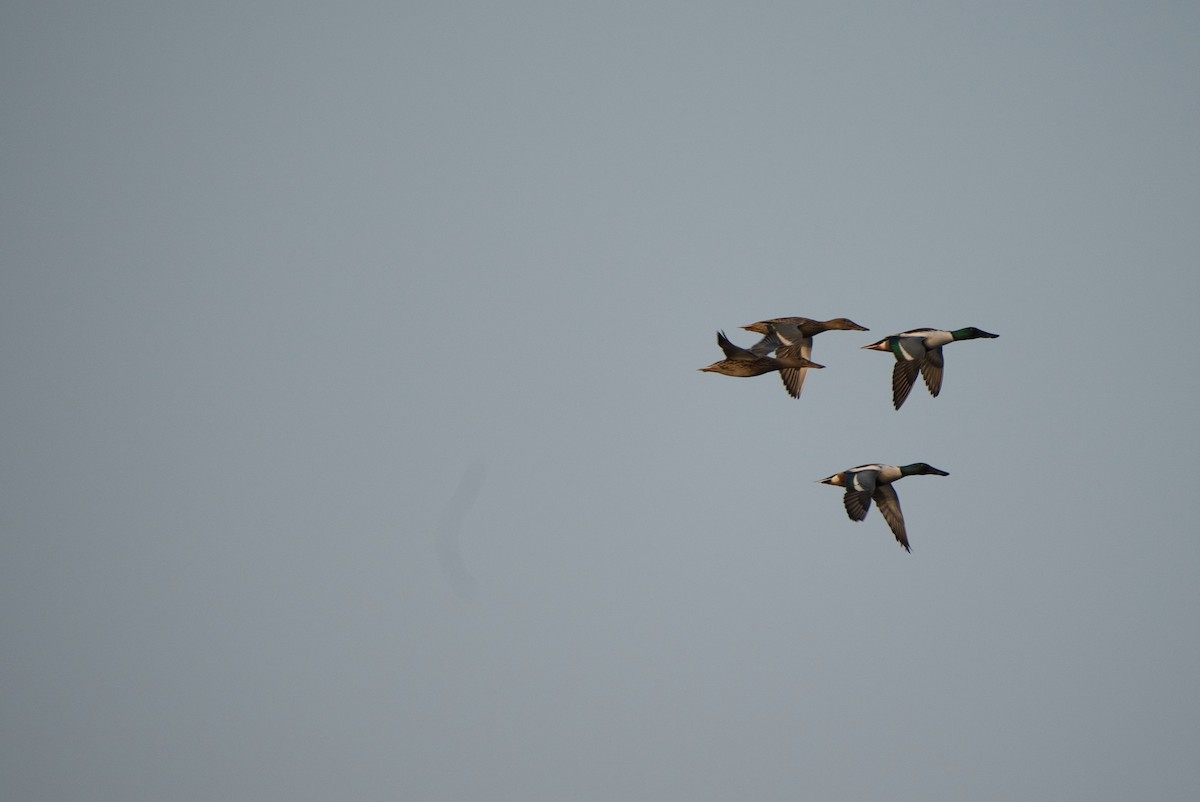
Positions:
{"x": 354, "y": 446}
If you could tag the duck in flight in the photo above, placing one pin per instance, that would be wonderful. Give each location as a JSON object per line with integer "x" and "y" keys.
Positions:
{"x": 868, "y": 483}
{"x": 791, "y": 332}
{"x": 920, "y": 350}
{"x": 742, "y": 362}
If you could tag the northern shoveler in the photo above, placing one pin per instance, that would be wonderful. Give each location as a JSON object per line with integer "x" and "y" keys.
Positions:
{"x": 874, "y": 482}
{"x": 741, "y": 362}
{"x": 921, "y": 350}
{"x": 795, "y": 331}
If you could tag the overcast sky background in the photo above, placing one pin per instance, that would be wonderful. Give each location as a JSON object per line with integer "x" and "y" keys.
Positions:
{"x": 354, "y": 447}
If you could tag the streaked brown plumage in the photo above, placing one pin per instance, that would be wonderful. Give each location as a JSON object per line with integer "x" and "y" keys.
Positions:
{"x": 807, "y": 326}
{"x": 741, "y": 362}
{"x": 795, "y": 332}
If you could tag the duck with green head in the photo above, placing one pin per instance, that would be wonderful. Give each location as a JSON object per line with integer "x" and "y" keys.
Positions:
{"x": 920, "y": 350}
{"x": 868, "y": 483}
{"x": 795, "y": 332}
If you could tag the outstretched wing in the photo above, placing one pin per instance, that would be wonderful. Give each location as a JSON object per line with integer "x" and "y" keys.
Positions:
{"x": 793, "y": 378}
{"x": 931, "y": 370}
{"x": 765, "y": 346}
{"x": 889, "y": 506}
{"x": 903, "y": 376}
{"x": 859, "y": 489}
